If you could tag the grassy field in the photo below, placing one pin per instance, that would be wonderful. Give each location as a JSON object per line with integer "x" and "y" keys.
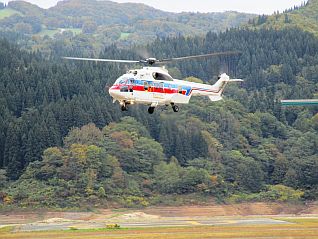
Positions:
{"x": 51, "y": 33}
{"x": 124, "y": 35}
{"x": 75, "y": 31}
{"x": 301, "y": 228}
{"x": 7, "y": 12}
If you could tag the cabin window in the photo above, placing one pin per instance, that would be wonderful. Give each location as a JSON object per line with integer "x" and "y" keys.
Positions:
{"x": 146, "y": 85}
{"x": 180, "y": 89}
{"x": 151, "y": 86}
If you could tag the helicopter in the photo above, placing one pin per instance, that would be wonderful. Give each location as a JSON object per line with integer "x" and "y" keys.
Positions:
{"x": 153, "y": 86}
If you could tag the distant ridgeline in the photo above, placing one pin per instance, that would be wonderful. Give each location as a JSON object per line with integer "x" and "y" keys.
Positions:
{"x": 247, "y": 146}
{"x": 109, "y": 22}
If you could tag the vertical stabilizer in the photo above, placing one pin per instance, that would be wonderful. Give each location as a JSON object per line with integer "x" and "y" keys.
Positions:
{"x": 220, "y": 85}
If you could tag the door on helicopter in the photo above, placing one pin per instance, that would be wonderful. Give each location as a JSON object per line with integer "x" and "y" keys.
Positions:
{"x": 158, "y": 91}
{"x": 159, "y": 86}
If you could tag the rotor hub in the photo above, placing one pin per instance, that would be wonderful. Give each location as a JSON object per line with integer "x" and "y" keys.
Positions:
{"x": 151, "y": 61}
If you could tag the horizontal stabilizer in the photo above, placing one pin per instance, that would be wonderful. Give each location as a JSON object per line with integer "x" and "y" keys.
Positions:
{"x": 235, "y": 80}
{"x": 215, "y": 98}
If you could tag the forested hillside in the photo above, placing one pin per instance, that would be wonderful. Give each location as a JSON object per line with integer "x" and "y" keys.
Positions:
{"x": 304, "y": 17}
{"x": 98, "y": 23}
{"x": 244, "y": 148}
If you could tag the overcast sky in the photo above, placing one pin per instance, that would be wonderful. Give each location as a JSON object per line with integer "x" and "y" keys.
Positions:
{"x": 251, "y": 6}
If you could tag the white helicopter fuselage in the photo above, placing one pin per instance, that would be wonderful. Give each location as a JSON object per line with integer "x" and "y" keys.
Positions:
{"x": 154, "y": 86}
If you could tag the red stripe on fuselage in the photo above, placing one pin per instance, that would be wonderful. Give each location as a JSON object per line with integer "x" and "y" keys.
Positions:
{"x": 160, "y": 90}
{"x": 150, "y": 89}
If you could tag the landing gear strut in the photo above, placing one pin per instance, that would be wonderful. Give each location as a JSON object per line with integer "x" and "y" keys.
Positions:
{"x": 124, "y": 107}
{"x": 151, "y": 110}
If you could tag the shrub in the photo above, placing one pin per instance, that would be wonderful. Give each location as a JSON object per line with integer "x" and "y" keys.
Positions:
{"x": 135, "y": 201}
{"x": 113, "y": 226}
{"x": 280, "y": 193}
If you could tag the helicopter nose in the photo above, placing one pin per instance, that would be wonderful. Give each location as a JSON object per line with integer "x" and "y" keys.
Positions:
{"x": 114, "y": 92}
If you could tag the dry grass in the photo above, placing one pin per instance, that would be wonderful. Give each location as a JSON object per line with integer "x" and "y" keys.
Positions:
{"x": 302, "y": 220}
{"x": 302, "y": 229}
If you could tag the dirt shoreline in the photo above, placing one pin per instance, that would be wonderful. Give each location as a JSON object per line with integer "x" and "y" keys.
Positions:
{"x": 213, "y": 210}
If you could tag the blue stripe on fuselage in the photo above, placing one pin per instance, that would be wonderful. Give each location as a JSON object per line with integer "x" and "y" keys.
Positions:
{"x": 165, "y": 84}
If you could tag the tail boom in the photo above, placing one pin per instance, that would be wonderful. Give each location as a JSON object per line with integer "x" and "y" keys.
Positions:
{"x": 214, "y": 92}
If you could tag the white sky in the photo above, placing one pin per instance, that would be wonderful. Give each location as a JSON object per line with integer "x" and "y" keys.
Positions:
{"x": 250, "y": 6}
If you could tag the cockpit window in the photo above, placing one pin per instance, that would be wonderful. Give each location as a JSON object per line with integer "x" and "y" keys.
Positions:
{"x": 160, "y": 76}
{"x": 122, "y": 80}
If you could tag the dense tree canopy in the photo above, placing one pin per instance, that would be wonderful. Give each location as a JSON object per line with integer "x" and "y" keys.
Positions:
{"x": 50, "y": 148}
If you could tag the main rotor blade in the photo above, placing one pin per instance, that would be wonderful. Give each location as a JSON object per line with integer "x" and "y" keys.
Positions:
{"x": 102, "y": 60}
{"x": 151, "y": 61}
{"x": 227, "y": 53}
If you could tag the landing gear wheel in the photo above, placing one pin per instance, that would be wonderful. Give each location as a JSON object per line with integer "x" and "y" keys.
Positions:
{"x": 151, "y": 110}
{"x": 175, "y": 108}
{"x": 124, "y": 107}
